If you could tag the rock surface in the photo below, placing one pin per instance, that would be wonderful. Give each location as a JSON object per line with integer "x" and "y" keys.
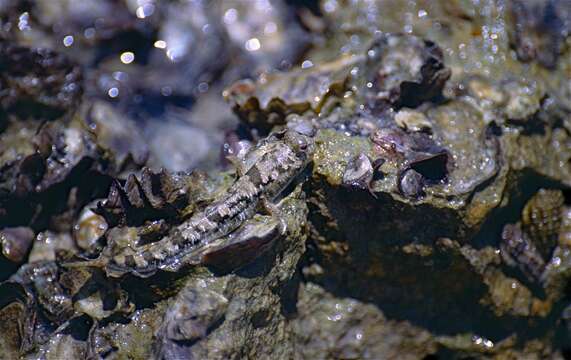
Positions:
{"x": 429, "y": 217}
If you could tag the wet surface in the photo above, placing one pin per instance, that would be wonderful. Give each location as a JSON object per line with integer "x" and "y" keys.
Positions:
{"x": 348, "y": 179}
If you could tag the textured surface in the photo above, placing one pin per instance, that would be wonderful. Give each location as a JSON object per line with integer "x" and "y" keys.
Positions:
{"x": 334, "y": 179}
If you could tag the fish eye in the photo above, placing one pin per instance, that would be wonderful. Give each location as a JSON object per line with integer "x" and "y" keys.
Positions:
{"x": 302, "y": 144}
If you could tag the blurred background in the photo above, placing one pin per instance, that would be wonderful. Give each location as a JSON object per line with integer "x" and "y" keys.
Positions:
{"x": 154, "y": 71}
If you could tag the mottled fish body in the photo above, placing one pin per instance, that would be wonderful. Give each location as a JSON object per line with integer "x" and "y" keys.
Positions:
{"x": 269, "y": 169}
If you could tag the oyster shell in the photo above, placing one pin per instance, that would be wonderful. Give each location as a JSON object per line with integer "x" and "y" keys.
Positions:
{"x": 402, "y": 70}
{"x": 242, "y": 247}
{"x": 269, "y": 100}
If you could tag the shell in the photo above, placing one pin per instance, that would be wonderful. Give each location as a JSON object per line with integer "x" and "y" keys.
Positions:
{"x": 403, "y": 70}
{"x": 150, "y": 196}
{"x": 250, "y": 241}
{"x": 16, "y": 242}
{"x": 359, "y": 172}
{"x": 541, "y": 219}
{"x": 42, "y": 280}
{"x": 411, "y": 184}
{"x": 518, "y": 251}
{"x": 268, "y": 101}
{"x": 89, "y": 228}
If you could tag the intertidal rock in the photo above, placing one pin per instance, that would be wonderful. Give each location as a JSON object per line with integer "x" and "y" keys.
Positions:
{"x": 398, "y": 188}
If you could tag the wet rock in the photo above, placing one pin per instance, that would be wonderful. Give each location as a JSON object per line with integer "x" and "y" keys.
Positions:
{"x": 63, "y": 346}
{"x": 330, "y": 327}
{"x": 164, "y": 140}
{"x": 194, "y": 314}
{"x": 12, "y": 316}
{"x": 441, "y": 146}
{"x": 44, "y": 162}
{"x": 267, "y": 31}
{"x": 118, "y": 135}
{"x": 42, "y": 280}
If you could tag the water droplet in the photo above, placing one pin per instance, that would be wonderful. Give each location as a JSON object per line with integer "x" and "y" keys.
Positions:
{"x": 160, "y": 44}
{"x": 230, "y": 16}
{"x": 89, "y": 33}
{"x": 306, "y": 64}
{"x": 68, "y": 41}
{"x": 270, "y": 28}
{"x": 203, "y": 87}
{"x": 23, "y": 22}
{"x": 253, "y": 44}
{"x": 113, "y": 92}
{"x": 127, "y": 57}
{"x": 145, "y": 11}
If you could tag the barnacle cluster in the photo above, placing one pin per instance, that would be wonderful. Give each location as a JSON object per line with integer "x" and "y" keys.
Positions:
{"x": 285, "y": 179}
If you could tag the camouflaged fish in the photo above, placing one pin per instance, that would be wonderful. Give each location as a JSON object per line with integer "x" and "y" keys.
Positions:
{"x": 263, "y": 175}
